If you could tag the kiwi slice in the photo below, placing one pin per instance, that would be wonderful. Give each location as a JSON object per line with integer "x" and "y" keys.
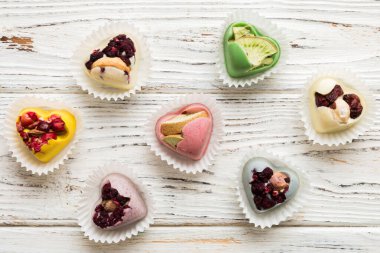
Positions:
{"x": 257, "y": 49}
{"x": 267, "y": 61}
{"x": 240, "y": 31}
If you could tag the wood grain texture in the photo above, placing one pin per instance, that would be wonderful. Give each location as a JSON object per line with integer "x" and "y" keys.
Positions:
{"x": 194, "y": 212}
{"x": 198, "y": 239}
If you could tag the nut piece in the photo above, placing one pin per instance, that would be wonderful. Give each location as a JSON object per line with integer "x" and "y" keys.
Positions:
{"x": 341, "y": 112}
{"x": 109, "y": 205}
{"x": 111, "y": 62}
{"x": 278, "y": 180}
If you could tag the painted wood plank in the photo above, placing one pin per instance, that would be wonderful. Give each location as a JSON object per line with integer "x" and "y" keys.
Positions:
{"x": 197, "y": 239}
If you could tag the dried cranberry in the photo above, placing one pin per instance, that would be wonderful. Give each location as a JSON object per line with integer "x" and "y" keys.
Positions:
{"x": 36, "y": 144}
{"x": 266, "y": 174}
{"x": 58, "y": 125}
{"x": 43, "y": 126}
{"x": 269, "y": 188}
{"x": 28, "y": 118}
{"x": 113, "y": 210}
{"x": 279, "y": 198}
{"x": 336, "y": 92}
{"x": 111, "y": 51}
{"x": 120, "y": 46}
{"x": 114, "y": 193}
{"x": 96, "y": 55}
{"x": 122, "y": 200}
{"x": 264, "y": 194}
{"x": 40, "y": 131}
{"x": 125, "y": 60}
{"x": 356, "y": 107}
{"x": 19, "y": 127}
{"x": 258, "y": 188}
{"x": 24, "y": 136}
{"x": 257, "y": 200}
{"x": 320, "y": 100}
{"x": 48, "y": 136}
{"x": 328, "y": 99}
{"x": 267, "y": 203}
{"x": 121, "y": 37}
{"x": 88, "y": 65}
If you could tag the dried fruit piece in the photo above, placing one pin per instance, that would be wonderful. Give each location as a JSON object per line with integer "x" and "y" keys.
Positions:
{"x": 58, "y": 125}
{"x": 36, "y": 132}
{"x": 269, "y": 188}
{"x": 328, "y": 99}
{"x": 111, "y": 210}
{"x": 111, "y": 65}
{"x": 240, "y": 31}
{"x": 28, "y": 118}
{"x": 257, "y": 49}
{"x": 356, "y": 107}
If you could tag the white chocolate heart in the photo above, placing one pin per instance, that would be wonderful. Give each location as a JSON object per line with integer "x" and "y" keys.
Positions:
{"x": 329, "y": 120}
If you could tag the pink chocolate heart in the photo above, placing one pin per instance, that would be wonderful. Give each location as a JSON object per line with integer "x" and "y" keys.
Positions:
{"x": 120, "y": 203}
{"x": 196, "y": 133}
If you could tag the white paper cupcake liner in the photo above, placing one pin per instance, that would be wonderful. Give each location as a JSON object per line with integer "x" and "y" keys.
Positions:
{"x": 91, "y": 194}
{"x": 280, "y": 213}
{"x": 18, "y": 148}
{"x": 348, "y": 135}
{"x": 177, "y": 161}
{"x": 266, "y": 27}
{"x": 98, "y": 39}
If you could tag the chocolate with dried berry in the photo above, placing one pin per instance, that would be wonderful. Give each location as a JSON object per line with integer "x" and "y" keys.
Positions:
{"x": 45, "y": 132}
{"x": 120, "y": 203}
{"x": 113, "y": 64}
{"x": 268, "y": 186}
{"x": 334, "y": 106}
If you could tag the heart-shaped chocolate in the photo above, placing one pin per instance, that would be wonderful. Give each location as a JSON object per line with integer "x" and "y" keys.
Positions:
{"x": 112, "y": 66}
{"x": 247, "y": 51}
{"x": 334, "y": 106}
{"x": 267, "y": 186}
{"x": 120, "y": 203}
{"x": 186, "y": 131}
{"x": 46, "y": 132}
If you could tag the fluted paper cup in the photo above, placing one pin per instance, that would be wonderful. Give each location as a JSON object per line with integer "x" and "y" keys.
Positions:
{"x": 350, "y": 80}
{"x": 18, "y": 148}
{"x": 286, "y": 210}
{"x": 92, "y": 194}
{"x": 265, "y": 26}
{"x": 98, "y": 39}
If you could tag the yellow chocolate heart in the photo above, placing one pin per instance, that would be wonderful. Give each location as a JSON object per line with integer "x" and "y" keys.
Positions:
{"x": 53, "y": 147}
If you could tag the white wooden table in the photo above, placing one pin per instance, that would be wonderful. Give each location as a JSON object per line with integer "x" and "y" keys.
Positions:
{"x": 195, "y": 213}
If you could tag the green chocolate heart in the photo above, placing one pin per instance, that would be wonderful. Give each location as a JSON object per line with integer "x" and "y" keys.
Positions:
{"x": 236, "y": 59}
